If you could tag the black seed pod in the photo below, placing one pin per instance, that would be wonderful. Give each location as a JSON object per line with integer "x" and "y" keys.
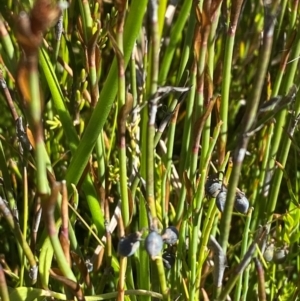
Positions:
{"x": 128, "y": 245}
{"x": 213, "y": 187}
{"x": 153, "y": 244}
{"x": 221, "y": 200}
{"x": 241, "y": 203}
{"x": 170, "y": 235}
{"x": 168, "y": 259}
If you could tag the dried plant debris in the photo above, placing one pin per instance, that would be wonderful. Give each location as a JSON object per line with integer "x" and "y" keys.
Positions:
{"x": 220, "y": 261}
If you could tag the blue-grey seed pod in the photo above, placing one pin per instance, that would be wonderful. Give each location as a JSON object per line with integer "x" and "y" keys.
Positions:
{"x": 241, "y": 203}
{"x": 213, "y": 187}
{"x": 269, "y": 253}
{"x": 128, "y": 245}
{"x": 221, "y": 200}
{"x": 280, "y": 255}
{"x": 153, "y": 244}
{"x": 170, "y": 235}
{"x": 168, "y": 259}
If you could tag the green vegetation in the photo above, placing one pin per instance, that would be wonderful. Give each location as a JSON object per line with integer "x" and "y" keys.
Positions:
{"x": 149, "y": 150}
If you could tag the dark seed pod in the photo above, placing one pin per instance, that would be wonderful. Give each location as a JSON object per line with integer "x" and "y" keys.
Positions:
{"x": 168, "y": 259}
{"x": 213, "y": 187}
{"x": 153, "y": 244}
{"x": 128, "y": 245}
{"x": 170, "y": 235}
{"x": 280, "y": 255}
{"x": 241, "y": 203}
{"x": 221, "y": 200}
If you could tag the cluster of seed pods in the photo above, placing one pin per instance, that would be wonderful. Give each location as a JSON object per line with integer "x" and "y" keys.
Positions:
{"x": 276, "y": 255}
{"x": 216, "y": 189}
{"x": 153, "y": 244}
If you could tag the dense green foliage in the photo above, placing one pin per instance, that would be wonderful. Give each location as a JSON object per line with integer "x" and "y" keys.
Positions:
{"x": 148, "y": 150}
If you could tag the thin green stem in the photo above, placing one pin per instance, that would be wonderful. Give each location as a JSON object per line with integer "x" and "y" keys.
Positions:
{"x": 280, "y": 120}
{"x": 87, "y": 21}
{"x": 248, "y": 120}
{"x": 245, "y": 243}
{"x": 184, "y": 163}
{"x": 260, "y": 198}
{"x": 174, "y": 39}
{"x": 108, "y": 93}
{"x": 154, "y": 67}
{"x": 36, "y": 122}
{"x": 122, "y": 119}
{"x": 48, "y": 205}
{"x": 25, "y": 215}
{"x": 20, "y": 238}
{"x": 69, "y": 130}
{"x": 282, "y": 159}
{"x": 197, "y": 212}
{"x": 231, "y": 32}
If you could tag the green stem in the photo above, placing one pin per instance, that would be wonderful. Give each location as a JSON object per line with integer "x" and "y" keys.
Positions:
{"x": 245, "y": 242}
{"x": 20, "y": 238}
{"x": 73, "y": 140}
{"x": 107, "y": 95}
{"x": 248, "y": 121}
{"x": 48, "y": 205}
{"x": 87, "y": 21}
{"x": 35, "y": 110}
{"x": 187, "y": 130}
{"x": 174, "y": 39}
{"x": 25, "y": 215}
{"x": 154, "y": 65}
{"x": 235, "y": 13}
{"x": 122, "y": 120}
{"x": 197, "y": 212}
{"x": 282, "y": 159}
{"x": 280, "y": 121}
